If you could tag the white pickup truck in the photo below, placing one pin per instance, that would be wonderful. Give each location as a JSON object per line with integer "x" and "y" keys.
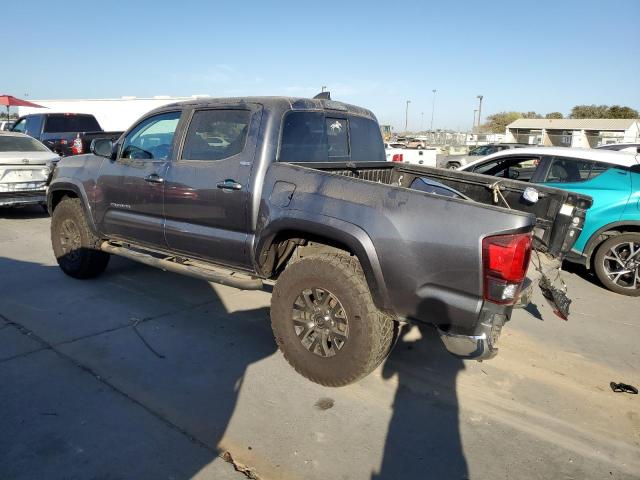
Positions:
{"x": 414, "y": 156}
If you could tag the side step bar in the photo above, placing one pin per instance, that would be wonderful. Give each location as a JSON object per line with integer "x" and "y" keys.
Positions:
{"x": 215, "y": 274}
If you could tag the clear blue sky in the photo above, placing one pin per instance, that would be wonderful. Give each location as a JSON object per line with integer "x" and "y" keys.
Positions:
{"x": 541, "y": 56}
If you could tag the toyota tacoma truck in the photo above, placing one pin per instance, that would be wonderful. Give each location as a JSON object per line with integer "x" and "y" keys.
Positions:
{"x": 298, "y": 196}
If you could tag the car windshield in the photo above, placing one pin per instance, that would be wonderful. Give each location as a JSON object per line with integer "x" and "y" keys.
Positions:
{"x": 479, "y": 151}
{"x": 14, "y": 143}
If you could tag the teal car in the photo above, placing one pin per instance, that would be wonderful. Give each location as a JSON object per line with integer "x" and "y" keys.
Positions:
{"x": 610, "y": 239}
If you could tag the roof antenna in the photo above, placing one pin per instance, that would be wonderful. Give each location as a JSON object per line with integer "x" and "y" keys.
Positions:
{"x": 323, "y": 96}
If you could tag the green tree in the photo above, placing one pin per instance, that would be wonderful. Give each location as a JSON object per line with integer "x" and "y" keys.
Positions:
{"x": 617, "y": 111}
{"x": 589, "y": 111}
{"x": 497, "y": 123}
{"x": 554, "y": 115}
{"x": 531, "y": 115}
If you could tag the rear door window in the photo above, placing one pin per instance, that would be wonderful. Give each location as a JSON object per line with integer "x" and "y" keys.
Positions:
{"x": 572, "y": 170}
{"x": 216, "y": 134}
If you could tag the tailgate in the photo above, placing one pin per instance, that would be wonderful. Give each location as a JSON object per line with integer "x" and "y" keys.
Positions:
{"x": 559, "y": 214}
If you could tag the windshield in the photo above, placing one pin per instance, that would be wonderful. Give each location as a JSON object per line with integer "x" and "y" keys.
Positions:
{"x": 479, "y": 151}
{"x": 13, "y": 143}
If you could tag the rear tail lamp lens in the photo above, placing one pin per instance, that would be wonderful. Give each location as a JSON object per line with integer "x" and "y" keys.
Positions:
{"x": 505, "y": 263}
{"x": 397, "y": 157}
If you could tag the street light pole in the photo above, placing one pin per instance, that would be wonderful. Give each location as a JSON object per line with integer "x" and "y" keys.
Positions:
{"x": 406, "y": 117}
{"x": 473, "y": 125}
{"x": 479, "y": 97}
{"x": 421, "y": 121}
{"x": 433, "y": 108}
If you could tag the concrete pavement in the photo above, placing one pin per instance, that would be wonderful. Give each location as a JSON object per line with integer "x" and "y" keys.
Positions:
{"x": 146, "y": 374}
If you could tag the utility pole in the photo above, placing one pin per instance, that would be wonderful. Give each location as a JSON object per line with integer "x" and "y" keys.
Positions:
{"x": 406, "y": 117}
{"x": 433, "y": 108}
{"x": 479, "y": 97}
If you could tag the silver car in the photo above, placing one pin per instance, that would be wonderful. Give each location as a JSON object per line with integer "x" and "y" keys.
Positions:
{"x": 452, "y": 162}
{"x": 25, "y": 168}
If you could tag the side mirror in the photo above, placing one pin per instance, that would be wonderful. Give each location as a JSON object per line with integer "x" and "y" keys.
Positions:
{"x": 102, "y": 147}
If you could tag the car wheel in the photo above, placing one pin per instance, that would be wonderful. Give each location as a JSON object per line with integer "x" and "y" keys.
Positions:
{"x": 75, "y": 246}
{"x": 617, "y": 264}
{"x": 453, "y": 166}
{"x": 325, "y": 322}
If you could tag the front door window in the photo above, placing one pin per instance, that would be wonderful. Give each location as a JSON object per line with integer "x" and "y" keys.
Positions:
{"x": 152, "y": 138}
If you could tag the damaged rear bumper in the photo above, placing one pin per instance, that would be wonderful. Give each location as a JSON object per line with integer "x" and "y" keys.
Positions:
{"x": 482, "y": 344}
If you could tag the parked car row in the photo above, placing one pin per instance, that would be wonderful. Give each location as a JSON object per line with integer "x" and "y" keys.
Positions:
{"x": 610, "y": 239}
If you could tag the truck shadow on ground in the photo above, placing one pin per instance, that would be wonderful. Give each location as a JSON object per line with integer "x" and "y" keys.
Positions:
{"x": 186, "y": 367}
{"x": 423, "y": 439}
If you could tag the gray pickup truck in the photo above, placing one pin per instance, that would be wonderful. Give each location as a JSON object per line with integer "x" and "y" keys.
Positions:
{"x": 296, "y": 193}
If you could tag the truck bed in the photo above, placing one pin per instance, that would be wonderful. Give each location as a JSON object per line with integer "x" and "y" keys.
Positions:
{"x": 559, "y": 214}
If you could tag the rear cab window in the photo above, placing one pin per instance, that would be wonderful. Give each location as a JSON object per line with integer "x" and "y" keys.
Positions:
{"x": 65, "y": 123}
{"x": 327, "y": 137}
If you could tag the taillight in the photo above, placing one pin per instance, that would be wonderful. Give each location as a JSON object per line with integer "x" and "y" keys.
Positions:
{"x": 397, "y": 157}
{"x": 505, "y": 261}
{"x": 76, "y": 148}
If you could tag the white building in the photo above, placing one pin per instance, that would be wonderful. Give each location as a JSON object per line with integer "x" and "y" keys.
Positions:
{"x": 573, "y": 132}
{"x": 113, "y": 114}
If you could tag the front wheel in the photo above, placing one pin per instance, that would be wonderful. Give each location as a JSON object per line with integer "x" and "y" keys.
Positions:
{"x": 617, "y": 264}
{"x": 75, "y": 246}
{"x": 325, "y": 322}
{"x": 453, "y": 166}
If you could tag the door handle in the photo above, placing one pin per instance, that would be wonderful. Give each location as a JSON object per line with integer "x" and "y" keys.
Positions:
{"x": 229, "y": 184}
{"x": 154, "y": 178}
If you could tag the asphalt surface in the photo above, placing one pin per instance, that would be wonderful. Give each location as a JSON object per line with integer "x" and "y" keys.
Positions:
{"x": 146, "y": 374}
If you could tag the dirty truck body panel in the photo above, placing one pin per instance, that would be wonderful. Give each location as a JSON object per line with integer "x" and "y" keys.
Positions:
{"x": 249, "y": 209}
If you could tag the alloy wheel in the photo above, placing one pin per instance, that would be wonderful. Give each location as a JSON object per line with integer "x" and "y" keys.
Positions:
{"x": 622, "y": 265}
{"x": 320, "y": 322}
{"x": 70, "y": 240}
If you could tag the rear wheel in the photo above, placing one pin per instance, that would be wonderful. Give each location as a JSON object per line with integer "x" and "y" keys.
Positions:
{"x": 325, "y": 322}
{"x": 75, "y": 246}
{"x": 453, "y": 165}
{"x": 617, "y": 264}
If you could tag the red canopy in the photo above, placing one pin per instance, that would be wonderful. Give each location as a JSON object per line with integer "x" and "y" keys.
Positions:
{"x": 10, "y": 101}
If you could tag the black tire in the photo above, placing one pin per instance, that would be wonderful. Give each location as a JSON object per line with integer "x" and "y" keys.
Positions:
{"x": 75, "y": 246}
{"x": 606, "y": 263}
{"x": 369, "y": 333}
{"x": 453, "y": 165}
